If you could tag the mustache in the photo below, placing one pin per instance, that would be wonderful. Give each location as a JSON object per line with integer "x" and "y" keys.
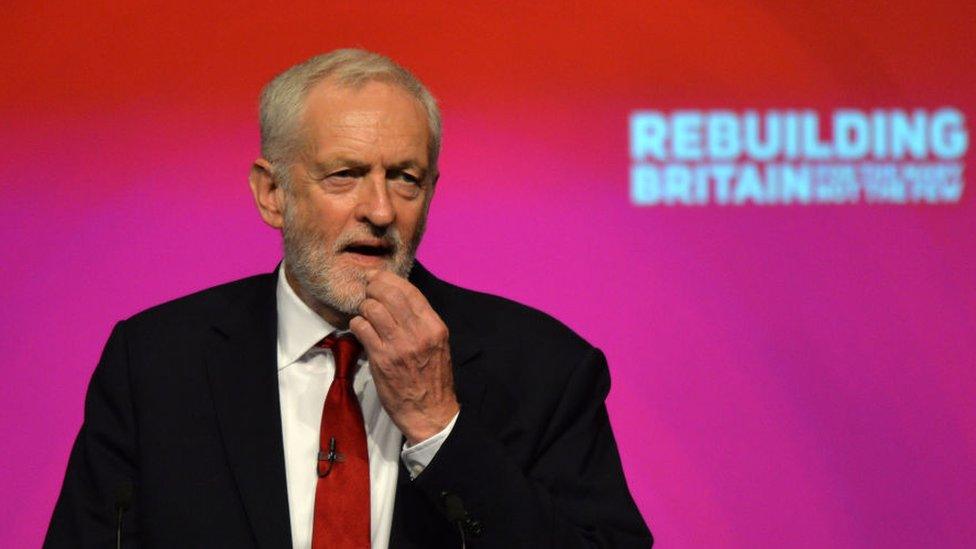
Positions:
{"x": 388, "y": 238}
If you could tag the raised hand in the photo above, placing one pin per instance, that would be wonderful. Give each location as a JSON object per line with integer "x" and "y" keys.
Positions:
{"x": 409, "y": 356}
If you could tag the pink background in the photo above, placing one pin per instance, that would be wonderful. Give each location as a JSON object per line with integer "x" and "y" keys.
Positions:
{"x": 783, "y": 376}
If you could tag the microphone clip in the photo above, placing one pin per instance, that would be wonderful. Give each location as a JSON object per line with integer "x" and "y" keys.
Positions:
{"x": 330, "y": 458}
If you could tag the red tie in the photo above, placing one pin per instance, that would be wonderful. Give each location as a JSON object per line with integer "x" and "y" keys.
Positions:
{"x": 342, "y": 490}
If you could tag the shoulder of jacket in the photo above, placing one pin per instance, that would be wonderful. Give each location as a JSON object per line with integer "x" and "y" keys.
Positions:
{"x": 505, "y": 318}
{"x": 207, "y": 304}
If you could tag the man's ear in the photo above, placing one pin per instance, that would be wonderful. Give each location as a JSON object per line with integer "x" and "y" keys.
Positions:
{"x": 268, "y": 194}
{"x": 430, "y": 195}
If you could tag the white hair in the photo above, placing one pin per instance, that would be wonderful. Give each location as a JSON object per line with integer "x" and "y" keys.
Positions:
{"x": 283, "y": 100}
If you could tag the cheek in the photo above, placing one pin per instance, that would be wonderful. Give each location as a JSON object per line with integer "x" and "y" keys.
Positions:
{"x": 411, "y": 217}
{"x": 326, "y": 225}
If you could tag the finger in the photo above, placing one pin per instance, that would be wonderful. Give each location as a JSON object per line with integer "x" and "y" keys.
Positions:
{"x": 379, "y": 316}
{"x": 436, "y": 330}
{"x": 384, "y": 281}
{"x": 366, "y": 334}
{"x": 391, "y": 295}
{"x": 403, "y": 295}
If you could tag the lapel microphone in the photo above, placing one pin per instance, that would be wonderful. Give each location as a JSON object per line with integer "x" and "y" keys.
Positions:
{"x": 331, "y": 458}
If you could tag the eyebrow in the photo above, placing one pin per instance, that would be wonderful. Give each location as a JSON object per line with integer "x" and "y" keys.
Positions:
{"x": 406, "y": 165}
{"x": 344, "y": 162}
{"x": 340, "y": 162}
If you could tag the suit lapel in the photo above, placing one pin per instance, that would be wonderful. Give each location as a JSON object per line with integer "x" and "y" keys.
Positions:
{"x": 466, "y": 344}
{"x": 244, "y": 383}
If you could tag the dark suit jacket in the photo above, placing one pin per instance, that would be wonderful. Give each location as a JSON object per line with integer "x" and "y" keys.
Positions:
{"x": 183, "y": 406}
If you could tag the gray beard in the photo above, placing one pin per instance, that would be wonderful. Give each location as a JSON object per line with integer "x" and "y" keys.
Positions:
{"x": 341, "y": 287}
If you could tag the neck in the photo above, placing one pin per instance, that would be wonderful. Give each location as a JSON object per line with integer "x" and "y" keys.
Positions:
{"x": 335, "y": 318}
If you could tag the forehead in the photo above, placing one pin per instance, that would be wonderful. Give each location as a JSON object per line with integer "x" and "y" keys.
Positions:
{"x": 374, "y": 118}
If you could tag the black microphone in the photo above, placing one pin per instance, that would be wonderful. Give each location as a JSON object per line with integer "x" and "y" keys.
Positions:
{"x": 123, "y": 500}
{"x": 457, "y": 515}
{"x": 454, "y": 510}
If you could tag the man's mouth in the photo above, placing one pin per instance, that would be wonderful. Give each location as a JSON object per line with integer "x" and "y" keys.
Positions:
{"x": 378, "y": 249}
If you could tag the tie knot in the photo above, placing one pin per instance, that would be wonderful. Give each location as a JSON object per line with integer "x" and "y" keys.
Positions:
{"x": 346, "y": 349}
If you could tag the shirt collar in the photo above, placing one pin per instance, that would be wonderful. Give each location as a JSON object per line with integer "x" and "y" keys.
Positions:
{"x": 299, "y": 327}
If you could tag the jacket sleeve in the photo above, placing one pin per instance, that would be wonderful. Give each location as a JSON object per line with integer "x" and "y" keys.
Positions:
{"x": 572, "y": 494}
{"x": 101, "y": 469}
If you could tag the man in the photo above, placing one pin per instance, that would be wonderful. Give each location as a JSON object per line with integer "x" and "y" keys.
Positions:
{"x": 403, "y": 412}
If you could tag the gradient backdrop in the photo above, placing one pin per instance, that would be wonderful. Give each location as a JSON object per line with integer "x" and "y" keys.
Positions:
{"x": 784, "y": 376}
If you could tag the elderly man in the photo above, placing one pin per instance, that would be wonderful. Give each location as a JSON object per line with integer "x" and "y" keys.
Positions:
{"x": 349, "y": 399}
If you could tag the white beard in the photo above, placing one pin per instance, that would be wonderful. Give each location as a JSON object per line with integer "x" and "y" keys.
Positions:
{"x": 322, "y": 275}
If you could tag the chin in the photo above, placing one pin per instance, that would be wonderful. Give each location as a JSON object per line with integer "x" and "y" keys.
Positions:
{"x": 339, "y": 282}
{"x": 341, "y": 288}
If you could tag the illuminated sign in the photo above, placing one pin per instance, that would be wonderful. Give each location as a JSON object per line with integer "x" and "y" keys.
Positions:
{"x": 721, "y": 157}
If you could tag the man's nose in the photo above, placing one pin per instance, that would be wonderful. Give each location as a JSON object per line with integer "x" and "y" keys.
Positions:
{"x": 375, "y": 202}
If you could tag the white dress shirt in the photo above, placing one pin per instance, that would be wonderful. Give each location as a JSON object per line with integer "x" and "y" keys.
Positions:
{"x": 304, "y": 375}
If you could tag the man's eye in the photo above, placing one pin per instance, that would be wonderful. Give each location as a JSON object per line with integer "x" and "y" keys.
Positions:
{"x": 409, "y": 178}
{"x": 343, "y": 174}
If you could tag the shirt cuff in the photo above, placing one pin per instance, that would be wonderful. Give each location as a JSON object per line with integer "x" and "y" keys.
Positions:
{"x": 417, "y": 457}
